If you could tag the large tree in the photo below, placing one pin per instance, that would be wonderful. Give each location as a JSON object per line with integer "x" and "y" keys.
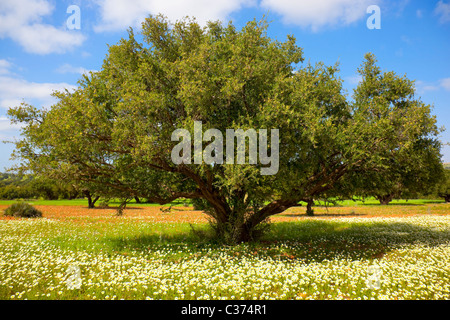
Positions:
{"x": 115, "y": 130}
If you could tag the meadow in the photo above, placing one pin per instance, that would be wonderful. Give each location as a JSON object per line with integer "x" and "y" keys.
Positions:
{"x": 353, "y": 250}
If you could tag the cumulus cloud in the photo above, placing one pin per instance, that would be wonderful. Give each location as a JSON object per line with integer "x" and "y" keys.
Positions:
{"x": 318, "y": 14}
{"x": 14, "y": 90}
{"x": 6, "y": 125}
{"x": 443, "y": 11}
{"x": 118, "y": 15}
{"x": 21, "y": 21}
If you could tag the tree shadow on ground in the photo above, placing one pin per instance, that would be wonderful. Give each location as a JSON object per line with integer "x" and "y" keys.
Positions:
{"x": 308, "y": 240}
{"x": 321, "y": 239}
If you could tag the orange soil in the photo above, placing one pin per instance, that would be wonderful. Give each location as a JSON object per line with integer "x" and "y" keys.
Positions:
{"x": 187, "y": 214}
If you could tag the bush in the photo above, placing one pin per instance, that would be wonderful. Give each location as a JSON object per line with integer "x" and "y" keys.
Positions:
{"x": 22, "y": 210}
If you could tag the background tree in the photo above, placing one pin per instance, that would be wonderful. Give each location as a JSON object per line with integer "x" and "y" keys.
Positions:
{"x": 401, "y": 170}
{"x": 114, "y": 131}
{"x": 15, "y": 186}
{"x": 443, "y": 188}
{"x": 20, "y": 186}
{"x": 407, "y": 176}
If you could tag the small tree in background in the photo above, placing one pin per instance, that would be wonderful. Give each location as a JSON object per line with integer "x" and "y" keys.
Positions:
{"x": 443, "y": 188}
{"x": 401, "y": 170}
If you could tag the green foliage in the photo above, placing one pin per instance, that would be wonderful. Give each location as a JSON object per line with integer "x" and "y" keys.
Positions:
{"x": 19, "y": 186}
{"x": 199, "y": 204}
{"x": 14, "y": 186}
{"x": 22, "y": 210}
{"x": 443, "y": 188}
{"x": 407, "y": 161}
{"x": 113, "y": 134}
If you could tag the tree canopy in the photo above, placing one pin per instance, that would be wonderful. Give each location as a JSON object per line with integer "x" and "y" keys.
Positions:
{"x": 114, "y": 131}
{"x": 415, "y": 164}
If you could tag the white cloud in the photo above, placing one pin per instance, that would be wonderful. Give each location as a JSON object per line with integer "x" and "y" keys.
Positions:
{"x": 67, "y": 68}
{"x": 21, "y": 20}
{"x": 318, "y": 14}
{"x": 118, "y": 15}
{"x": 423, "y": 87}
{"x": 443, "y": 11}
{"x": 6, "y": 125}
{"x": 14, "y": 90}
{"x": 4, "y": 66}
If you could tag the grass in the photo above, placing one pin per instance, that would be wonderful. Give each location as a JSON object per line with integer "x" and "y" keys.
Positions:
{"x": 375, "y": 202}
{"x": 300, "y": 258}
{"x": 116, "y": 202}
{"x": 84, "y": 202}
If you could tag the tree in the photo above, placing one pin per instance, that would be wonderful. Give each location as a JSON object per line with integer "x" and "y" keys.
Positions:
{"x": 404, "y": 170}
{"x": 13, "y": 186}
{"x": 419, "y": 169}
{"x": 115, "y": 130}
{"x": 443, "y": 188}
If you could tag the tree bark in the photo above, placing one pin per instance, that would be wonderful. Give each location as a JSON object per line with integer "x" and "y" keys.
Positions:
{"x": 309, "y": 210}
{"x": 91, "y": 201}
{"x": 385, "y": 200}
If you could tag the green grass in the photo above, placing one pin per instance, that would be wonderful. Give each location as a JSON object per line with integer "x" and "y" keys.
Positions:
{"x": 375, "y": 202}
{"x": 83, "y": 202}
{"x": 181, "y": 202}
{"x": 308, "y": 259}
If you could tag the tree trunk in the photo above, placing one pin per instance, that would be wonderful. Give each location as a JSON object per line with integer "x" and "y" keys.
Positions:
{"x": 94, "y": 201}
{"x": 137, "y": 199}
{"x": 309, "y": 210}
{"x": 235, "y": 233}
{"x": 385, "y": 200}
{"x": 91, "y": 201}
{"x": 238, "y": 227}
{"x": 447, "y": 198}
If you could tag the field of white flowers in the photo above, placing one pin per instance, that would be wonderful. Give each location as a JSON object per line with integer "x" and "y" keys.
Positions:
{"x": 352, "y": 258}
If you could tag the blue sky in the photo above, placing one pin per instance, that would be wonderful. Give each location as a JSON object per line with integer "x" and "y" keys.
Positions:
{"x": 40, "y": 53}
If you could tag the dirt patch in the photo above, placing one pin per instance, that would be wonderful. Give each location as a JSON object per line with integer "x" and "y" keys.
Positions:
{"x": 188, "y": 215}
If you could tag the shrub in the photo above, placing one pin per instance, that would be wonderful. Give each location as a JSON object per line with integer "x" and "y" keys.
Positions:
{"x": 22, "y": 210}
